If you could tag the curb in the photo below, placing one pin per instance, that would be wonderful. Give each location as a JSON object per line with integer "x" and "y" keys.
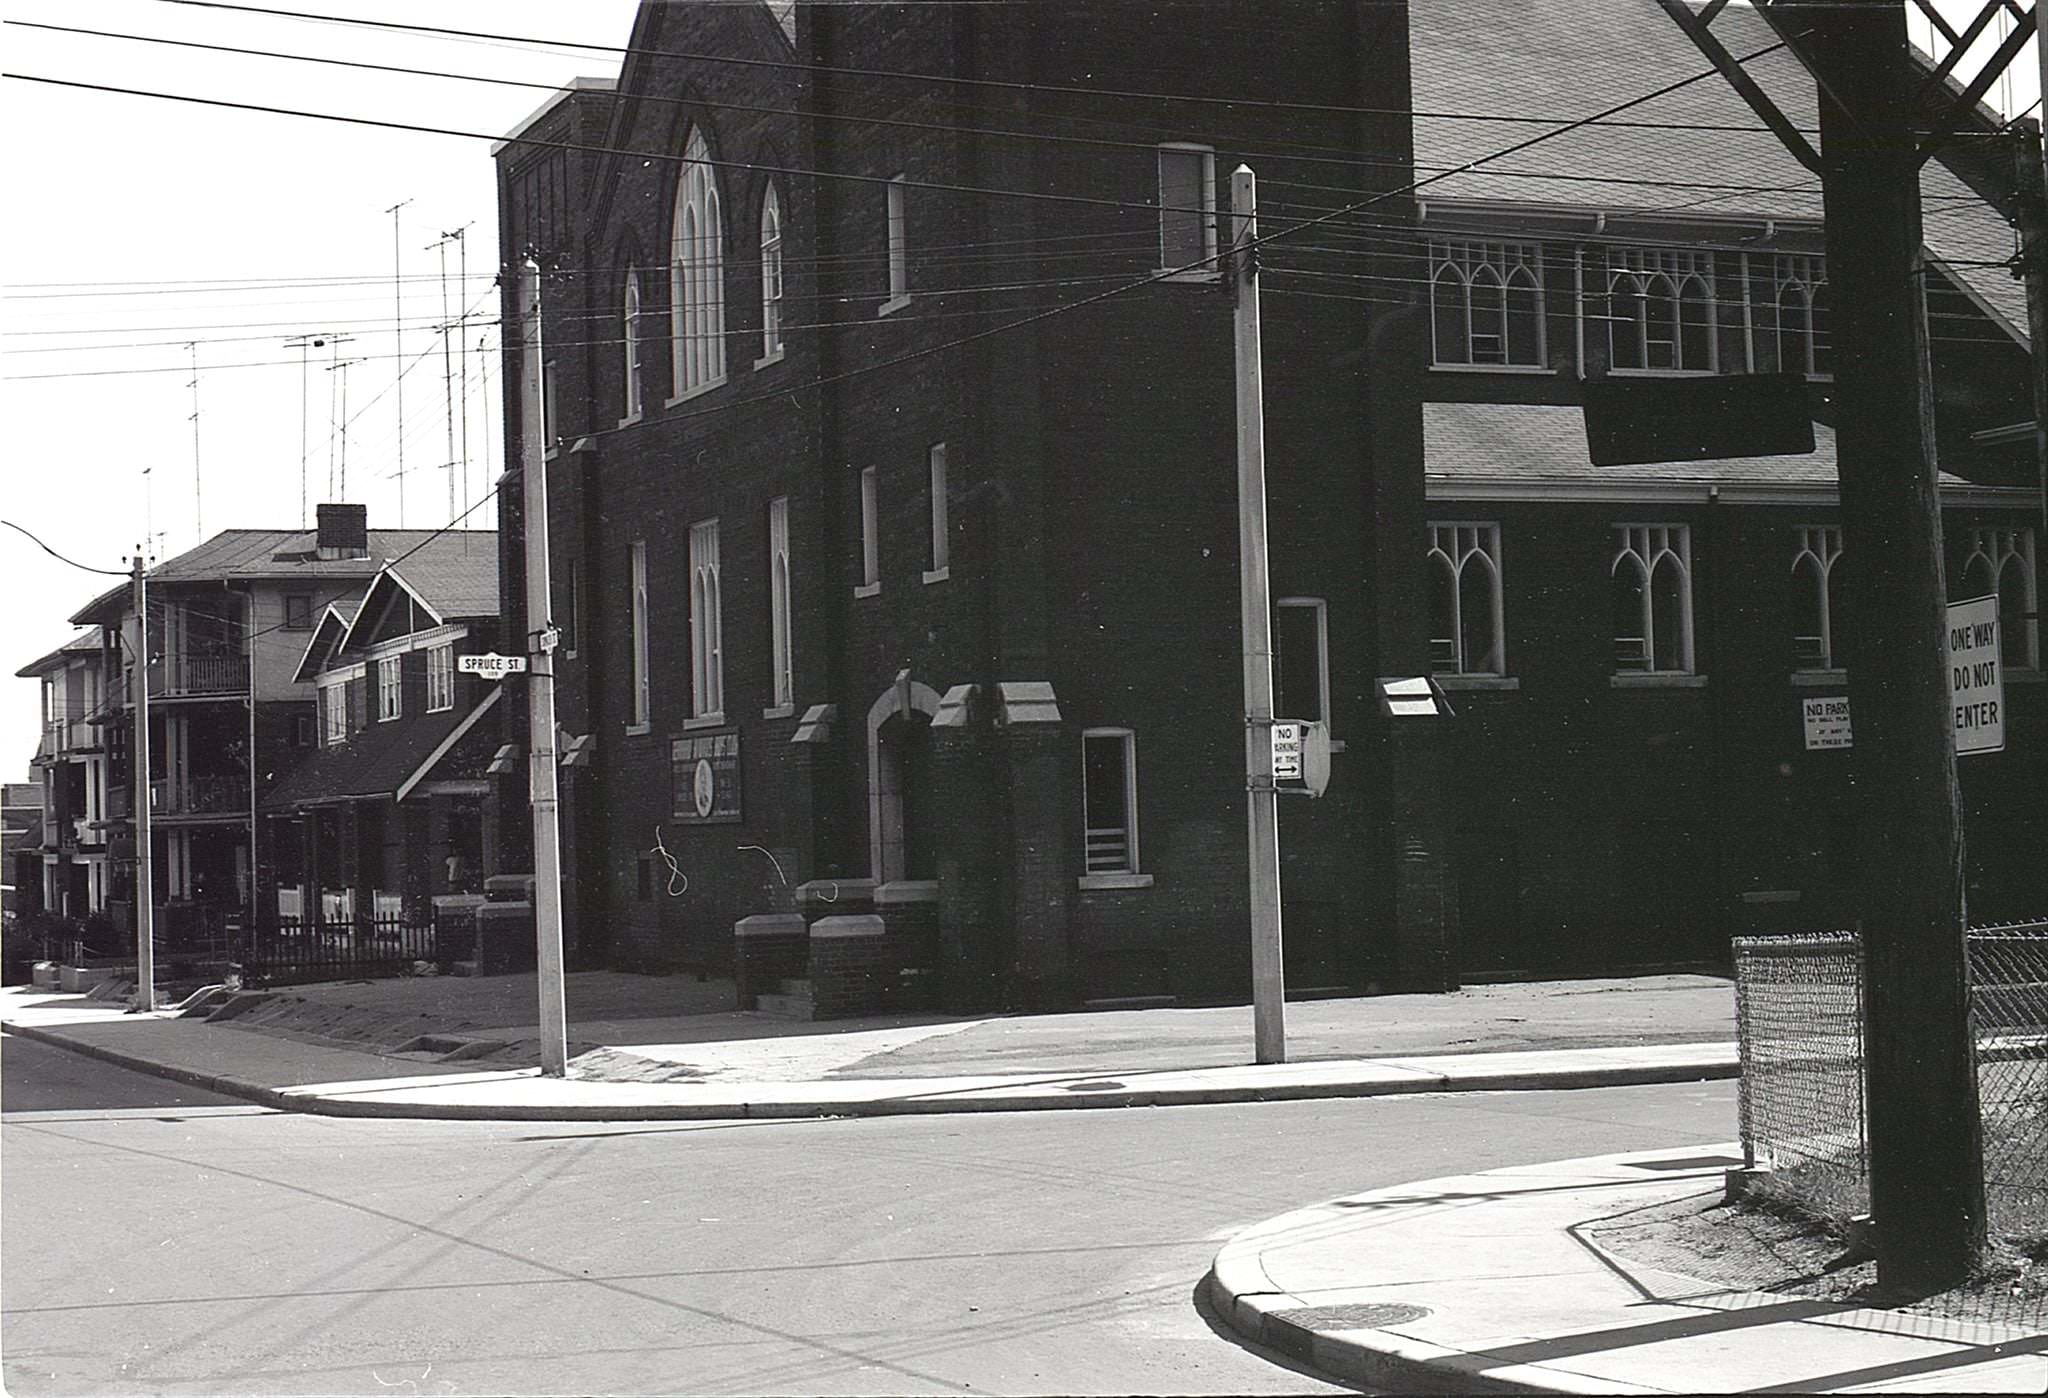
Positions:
{"x": 812, "y": 1108}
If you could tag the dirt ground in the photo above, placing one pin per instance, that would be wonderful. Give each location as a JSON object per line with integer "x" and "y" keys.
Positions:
{"x": 1758, "y": 1248}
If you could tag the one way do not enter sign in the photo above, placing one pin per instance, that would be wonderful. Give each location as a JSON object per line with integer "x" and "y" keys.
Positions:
{"x": 1976, "y": 678}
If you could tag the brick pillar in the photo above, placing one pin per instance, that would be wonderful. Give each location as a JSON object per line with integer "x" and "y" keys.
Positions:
{"x": 767, "y": 949}
{"x": 1038, "y": 871}
{"x": 846, "y": 956}
{"x": 974, "y": 939}
{"x": 1425, "y": 888}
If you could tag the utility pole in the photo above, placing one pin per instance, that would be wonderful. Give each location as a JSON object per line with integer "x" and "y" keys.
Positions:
{"x": 398, "y": 348}
{"x": 540, "y": 692}
{"x": 1269, "y": 989}
{"x": 1926, "y": 1148}
{"x": 145, "y": 874}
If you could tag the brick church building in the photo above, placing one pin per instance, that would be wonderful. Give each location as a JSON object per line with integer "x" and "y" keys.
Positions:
{"x": 887, "y": 387}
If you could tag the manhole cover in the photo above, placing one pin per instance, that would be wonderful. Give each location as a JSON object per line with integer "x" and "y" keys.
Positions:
{"x": 1362, "y": 1317}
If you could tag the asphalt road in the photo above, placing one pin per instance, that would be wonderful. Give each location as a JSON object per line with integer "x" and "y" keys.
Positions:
{"x": 158, "y": 1242}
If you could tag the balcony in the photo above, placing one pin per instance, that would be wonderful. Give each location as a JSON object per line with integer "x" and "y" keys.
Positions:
{"x": 220, "y": 795}
{"x": 66, "y": 736}
{"x": 192, "y": 676}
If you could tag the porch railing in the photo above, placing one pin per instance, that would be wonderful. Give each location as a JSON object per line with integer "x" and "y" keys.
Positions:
{"x": 199, "y": 674}
{"x": 214, "y": 795}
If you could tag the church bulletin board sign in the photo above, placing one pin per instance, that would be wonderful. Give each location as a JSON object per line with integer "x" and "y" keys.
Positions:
{"x": 704, "y": 778}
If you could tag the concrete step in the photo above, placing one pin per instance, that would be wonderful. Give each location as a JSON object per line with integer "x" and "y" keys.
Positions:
{"x": 784, "y": 1006}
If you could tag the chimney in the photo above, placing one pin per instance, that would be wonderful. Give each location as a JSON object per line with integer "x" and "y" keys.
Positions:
{"x": 344, "y": 531}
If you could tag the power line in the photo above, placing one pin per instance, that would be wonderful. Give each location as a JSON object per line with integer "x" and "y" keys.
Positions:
{"x": 85, "y": 567}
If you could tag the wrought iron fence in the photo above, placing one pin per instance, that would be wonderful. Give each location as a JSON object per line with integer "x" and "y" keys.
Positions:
{"x": 296, "y": 951}
{"x": 1799, "y": 1019}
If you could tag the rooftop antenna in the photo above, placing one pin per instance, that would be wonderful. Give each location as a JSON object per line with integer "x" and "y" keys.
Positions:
{"x": 462, "y": 377}
{"x": 303, "y": 343}
{"x": 447, "y": 386}
{"x": 334, "y": 344}
{"x": 198, "y": 513}
{"x": 148, "y": 515}
{"x": 398, "y": 334}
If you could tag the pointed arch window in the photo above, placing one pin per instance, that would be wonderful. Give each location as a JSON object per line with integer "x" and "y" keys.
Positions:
{"x": 1650, "y": 583}
{"x": 631, "y": 329}
{"x": 1799, "y": 315}
{"x": 2001, "y": 562}
{"x": 1660, "y": 310}
{"x": 1465, "y": 600}
{"x": 771, "y": 275}
{"x": 1486, "y": 302}
{"x": 707, "y": 624}
{"x": 697, "y": 274}
{"x": 1817, "y": 580}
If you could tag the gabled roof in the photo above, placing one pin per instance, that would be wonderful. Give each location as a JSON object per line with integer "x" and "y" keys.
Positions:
{"x": 326, "y": 639}
{"x": 383, "y": 760}
{"x": 290, "y": 555}
{"x": 1567, "y": 58}
{"x": 437, "y": 592}
{"x": 86, "y": 642}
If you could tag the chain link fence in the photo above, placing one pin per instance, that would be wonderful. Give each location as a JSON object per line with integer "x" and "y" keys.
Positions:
{"x": 1799, "y": 1020}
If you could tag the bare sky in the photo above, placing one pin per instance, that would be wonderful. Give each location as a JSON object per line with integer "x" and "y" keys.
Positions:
{"x": 137, "y": 226}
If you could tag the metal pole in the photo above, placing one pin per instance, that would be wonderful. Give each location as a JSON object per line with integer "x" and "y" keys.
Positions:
{"x": 1269, "y": 990}
{"x": 198, "y": 512}
{"x": 447, "y": 389}
{"x": 398, "y": 348}
{"x": 540, "y": 695}
{"x": 462, "y": 355}
{"x": 145, "y": 873}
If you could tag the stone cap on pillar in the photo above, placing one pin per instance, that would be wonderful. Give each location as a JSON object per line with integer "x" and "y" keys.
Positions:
{"x": 509, "y": 888}
{"x": 816, "y": 724}
{"x": 955, "y": 709}
{"x": 854, "y": 925}
{"x": 1027, "y": 701}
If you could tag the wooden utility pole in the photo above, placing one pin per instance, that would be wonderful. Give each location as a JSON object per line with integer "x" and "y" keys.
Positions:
{"x": 1926, "y": 1151}
{"x": 1269, "y": 991}
{"x": 145, "y": 874}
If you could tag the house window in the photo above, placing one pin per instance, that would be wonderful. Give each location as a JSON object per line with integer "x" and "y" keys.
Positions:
{"x": 1301, "y": 659}
{"x": 898, "y": 232}
{"x": 1466, "y": 636}
{"x": 1660, "y": 310}
{"x": 1817, "y": 579}
{"x": 1486, "y": 303}
{"x": 1651, "y": 581}
{"x": 771, "y": 274}
{"x": 1187, "y": 210}
{"x": 333, "y": 714}
{"x": 2001, "y": 561}
{"x": 942, "y": 551}
{"x": 870, "y": 533}
{"x": 697, "y": 275}
{"x": 639, "y": 605}
{"x": 1799, "y": 339}
{"x": 1109, "y": 780}
{"x": 440, "y": 678}
{"x": 632, "y": 343}
{"x": 390, "y": 700}
{"x": 298, "y": 611}
{"x": 707, "y": 657}
{"x": 780, "y": 646}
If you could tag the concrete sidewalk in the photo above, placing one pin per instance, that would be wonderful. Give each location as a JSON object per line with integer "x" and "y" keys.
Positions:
{"x": 727, "y": 1065}
{"x": 1492, "y": 1283}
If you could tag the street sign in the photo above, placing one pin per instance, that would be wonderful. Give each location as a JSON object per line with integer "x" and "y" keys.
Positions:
{"x": 1286, "y": 752}
{"x": 1976, "y": 676}
{"x": 1827, "y": 722}
{"x": 491, "y": 666}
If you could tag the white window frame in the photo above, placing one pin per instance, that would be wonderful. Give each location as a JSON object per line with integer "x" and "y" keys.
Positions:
{"x": 631, "y": 329}
{"x": 333, "y": 713}
{"x": 707, "y": 626}
{"x": 1454, "y": 546}
{"x": 870, "y": 535}
{"x": 781, "y": 643}
{"x": 440, "y": 678}
{"x": 1663, "y": 274}
{"x": 1321, "y": 608}
{"x": 1646, "y": 547}
{"x": 1103, "y": 874}
{"x": 1821, "y": 544}
{"x": 1999, "y": 547}
{"x": 942, "y": 544}
{"x": 696, "y": 276}
{"x": 771, "y": 277}
{"x": 642, "y": 709}
{"x": 1805, "y": 274}
{"x": 1208, "y": 270}
{"x": 390, "y": 689}
{"x": 1511, "y": 267}
{"x": 896, "y": 232}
